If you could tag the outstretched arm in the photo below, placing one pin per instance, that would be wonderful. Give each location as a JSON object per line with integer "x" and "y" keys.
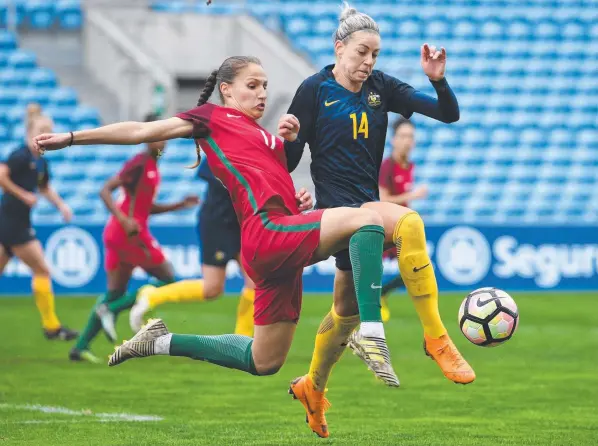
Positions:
{"x": 125, "y": 133}
{"x": 405, "y": 100}
{"x": 188, "y": 202}
{"x": 444, "y": 109}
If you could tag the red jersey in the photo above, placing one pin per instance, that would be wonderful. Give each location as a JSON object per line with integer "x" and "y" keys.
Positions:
{"x": 250, "y": 162}
{"x": 141, "y": 179}
{"x": 396, "y": 178}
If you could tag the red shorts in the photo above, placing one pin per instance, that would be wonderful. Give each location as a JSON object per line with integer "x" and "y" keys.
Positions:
{"x": 390, "y": 253}
{"x": 274, "y": 250}
{"x": 140, "y": 250}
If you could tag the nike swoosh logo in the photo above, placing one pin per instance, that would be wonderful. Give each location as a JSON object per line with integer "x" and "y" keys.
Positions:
{"x": 374, "y": 287}
{"x": 416, "y": 269}
{"x": 328, "y": 104}
{"x": 233, "y": 116}
{"x": 481, "y": 303}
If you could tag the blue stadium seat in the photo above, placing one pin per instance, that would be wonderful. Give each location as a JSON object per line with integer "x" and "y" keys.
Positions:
{"x": 63, "y": 97}
{"x": 69, "y": 14}
{"x": 22, "y": 60}
{"x": 84, "y": 116}
{"x": 10, "y": 78}
{"x": 42, "y": 77}
{"x": 40, "y": 14}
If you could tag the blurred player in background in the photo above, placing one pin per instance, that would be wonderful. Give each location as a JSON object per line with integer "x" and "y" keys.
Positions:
{"x": 128, "y": 243}
{"x": 21, "y": 175}
{"x": 343, "y": 111}
{"x": 220, "y": 240}
{"x": 396, "y": 186}
{"x": 277, "y": 239}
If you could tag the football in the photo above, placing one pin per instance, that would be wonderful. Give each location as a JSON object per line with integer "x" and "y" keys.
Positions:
{"x": 488, "y": 317}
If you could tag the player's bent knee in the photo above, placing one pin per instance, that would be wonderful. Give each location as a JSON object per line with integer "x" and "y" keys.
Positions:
{"x": 369, "y": 217}
{"x": 212, "y": 292}
{"x": 271, "y": 367}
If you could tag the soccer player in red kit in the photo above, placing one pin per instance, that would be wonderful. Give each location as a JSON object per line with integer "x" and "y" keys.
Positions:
{"x": 277, "y": 241}
{"x": 396, "y": 186}
{"x": 128, "y": 242}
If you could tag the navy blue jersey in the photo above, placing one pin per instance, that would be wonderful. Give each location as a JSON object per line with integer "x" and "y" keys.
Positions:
{"x": 217, "y": 204}
{"x": 346, "y": 131}
{"x": 28, "y": 172}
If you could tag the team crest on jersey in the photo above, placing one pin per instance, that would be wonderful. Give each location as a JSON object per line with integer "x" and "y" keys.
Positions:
{"x": 374, "y": 99}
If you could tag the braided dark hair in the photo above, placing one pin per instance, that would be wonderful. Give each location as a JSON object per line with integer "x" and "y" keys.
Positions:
{"x": 227, "y": 73}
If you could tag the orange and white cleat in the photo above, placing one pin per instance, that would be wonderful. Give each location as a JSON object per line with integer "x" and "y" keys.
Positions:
{"x": 315, "y": 404}
{"x": 451, "y": 362}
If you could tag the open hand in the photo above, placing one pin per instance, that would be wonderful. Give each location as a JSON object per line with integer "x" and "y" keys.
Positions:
{"x": 433, "y": 61}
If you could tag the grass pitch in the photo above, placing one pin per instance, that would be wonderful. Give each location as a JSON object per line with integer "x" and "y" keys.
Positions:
{"x": 541, "y": 388}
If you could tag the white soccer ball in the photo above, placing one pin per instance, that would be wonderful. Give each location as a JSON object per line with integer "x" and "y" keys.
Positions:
{"x": 488, "y": 317}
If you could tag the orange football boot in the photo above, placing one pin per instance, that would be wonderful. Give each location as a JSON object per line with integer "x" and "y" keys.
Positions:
{"x": 448, "y": 358}
{"x": 315, "y": 404}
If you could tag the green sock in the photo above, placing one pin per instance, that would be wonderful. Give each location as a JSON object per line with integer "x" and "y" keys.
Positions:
{"x": 94, "y": 325}
{"x": 128, "y": 300}
{"x": 365, "y": 251}
{"x": 231, "y": 351}
{"x": 124, "y": 303}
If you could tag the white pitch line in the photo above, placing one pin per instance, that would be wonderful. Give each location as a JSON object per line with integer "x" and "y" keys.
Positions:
{"x": 71, "y": 421}
{"x": 86, "y": 413}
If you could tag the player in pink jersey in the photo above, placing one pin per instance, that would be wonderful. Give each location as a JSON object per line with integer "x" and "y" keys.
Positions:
{"x": 128, "y": 242}
{"x": 277, "y": 240}
{"x": 396, "y": 186}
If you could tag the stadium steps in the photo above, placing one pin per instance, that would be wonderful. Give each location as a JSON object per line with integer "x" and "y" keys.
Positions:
{"x": 62, "y": 52}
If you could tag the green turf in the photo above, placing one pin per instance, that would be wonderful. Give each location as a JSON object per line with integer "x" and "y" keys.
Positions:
{"x": 539, "y": 389}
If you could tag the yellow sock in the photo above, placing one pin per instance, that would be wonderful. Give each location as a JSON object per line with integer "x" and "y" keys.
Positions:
{"x": 331, "y": 341}
{"x": 183, "y": 291}
{"x": 44, "y": 300}
{"x": 244, "y": 325}
{"x": 417, "y": 272}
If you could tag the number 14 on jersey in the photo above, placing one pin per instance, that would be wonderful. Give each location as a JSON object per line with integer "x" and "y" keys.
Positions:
{"x": 363, "y": 125}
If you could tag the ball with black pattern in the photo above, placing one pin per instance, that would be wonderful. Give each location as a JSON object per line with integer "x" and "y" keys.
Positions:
{"x": 488, "y": 317}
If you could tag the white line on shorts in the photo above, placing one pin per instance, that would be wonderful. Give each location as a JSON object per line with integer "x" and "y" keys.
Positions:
{"x": 100, "y": 416}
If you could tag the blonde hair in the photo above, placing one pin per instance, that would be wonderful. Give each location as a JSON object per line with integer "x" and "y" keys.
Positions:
{"x": 35, "y": 115}
{"x": 351, "y": 21}
{"x": 34, "y": 111}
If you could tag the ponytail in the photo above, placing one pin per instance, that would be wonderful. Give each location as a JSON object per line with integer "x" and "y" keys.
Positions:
{"x": 208, "y": 88}
{"x": 201, "y": 130}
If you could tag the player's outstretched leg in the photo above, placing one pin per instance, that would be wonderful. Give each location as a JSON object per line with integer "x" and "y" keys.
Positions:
{"x": 232, "y": 351}
{"x": 310, "y": 389}
{"x": 418, "y": 274}
{"x": 263, "y": 355}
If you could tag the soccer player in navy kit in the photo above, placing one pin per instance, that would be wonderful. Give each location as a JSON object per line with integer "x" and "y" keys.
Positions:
{"x": 220, "y": 240}
{"x": 21, "y": 176}
{"x": 343, "y": 112}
